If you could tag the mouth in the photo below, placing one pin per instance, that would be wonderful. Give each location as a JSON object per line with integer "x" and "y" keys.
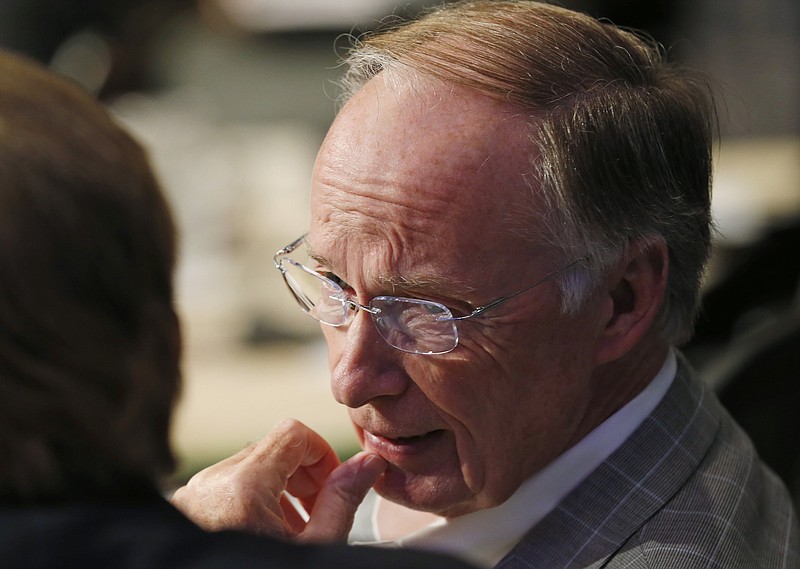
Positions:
{"x": 396, "y": 447}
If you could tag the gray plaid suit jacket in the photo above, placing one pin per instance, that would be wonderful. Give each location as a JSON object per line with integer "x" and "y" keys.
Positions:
{"x": 686, "y": 490}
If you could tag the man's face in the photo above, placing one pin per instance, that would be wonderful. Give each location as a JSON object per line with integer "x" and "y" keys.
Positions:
{"x": 414, "y": 193}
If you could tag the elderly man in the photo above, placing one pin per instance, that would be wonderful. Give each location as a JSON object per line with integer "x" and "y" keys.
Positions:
{"x": 509, "y": 224}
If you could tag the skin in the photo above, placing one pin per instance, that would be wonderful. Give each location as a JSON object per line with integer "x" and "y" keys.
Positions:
{"x": 411, "y": 195}
{"x": 246, "y": 490}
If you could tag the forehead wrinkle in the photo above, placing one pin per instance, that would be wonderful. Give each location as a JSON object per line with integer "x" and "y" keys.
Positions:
{"x": 406, "y": 284}
{"x": 417, "y": 210}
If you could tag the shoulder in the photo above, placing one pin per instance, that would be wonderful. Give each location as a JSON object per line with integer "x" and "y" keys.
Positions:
{"x": 732, "y": 512}
{"x": 235, "y": 550}
{"x": 156, "y": 536}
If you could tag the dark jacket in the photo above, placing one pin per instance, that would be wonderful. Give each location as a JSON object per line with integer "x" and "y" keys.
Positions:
{"x": 154, "y": 535}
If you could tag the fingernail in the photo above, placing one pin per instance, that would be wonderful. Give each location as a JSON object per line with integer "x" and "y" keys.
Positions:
{"x": 373, "y": 460}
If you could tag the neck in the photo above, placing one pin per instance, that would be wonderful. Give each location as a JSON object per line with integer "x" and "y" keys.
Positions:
{"x": 395, "y": 521}
{"x": 617, "y": 382}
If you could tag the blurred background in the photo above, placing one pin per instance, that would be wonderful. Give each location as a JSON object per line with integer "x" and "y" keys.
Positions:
{"x": 233, "y": 97}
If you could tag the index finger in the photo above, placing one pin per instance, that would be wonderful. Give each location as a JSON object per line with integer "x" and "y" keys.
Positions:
{"x": 293, "y": 453}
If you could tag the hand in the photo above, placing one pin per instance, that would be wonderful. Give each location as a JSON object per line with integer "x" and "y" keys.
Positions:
{"x": 246, "y": 491}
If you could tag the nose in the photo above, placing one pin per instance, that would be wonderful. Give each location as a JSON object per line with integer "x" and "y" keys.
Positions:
{"x": 363, "y": 366}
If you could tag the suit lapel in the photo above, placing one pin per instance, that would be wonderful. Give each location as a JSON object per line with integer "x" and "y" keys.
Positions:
{"x": 596, "y": 518}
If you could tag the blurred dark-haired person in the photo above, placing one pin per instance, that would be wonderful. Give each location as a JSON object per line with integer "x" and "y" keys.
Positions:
{"x": 89, "y": 362}
{"x": 510, "y": 219}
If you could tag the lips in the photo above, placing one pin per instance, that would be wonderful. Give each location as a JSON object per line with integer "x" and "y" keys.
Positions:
{"x": 398, "y": 447}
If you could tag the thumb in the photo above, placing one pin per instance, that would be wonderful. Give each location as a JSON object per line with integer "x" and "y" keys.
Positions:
{"x": 337, "y": 502}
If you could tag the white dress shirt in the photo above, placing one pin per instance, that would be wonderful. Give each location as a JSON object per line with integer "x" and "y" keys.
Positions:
{"x": 486, "y": 536}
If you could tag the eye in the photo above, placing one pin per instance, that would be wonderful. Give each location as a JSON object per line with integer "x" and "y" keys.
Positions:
{"x": 336, "y": 279}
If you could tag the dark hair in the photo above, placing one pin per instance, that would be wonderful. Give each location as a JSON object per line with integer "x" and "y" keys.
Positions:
{"x": 622, "y": 138}
{"x": 89, "y": 339}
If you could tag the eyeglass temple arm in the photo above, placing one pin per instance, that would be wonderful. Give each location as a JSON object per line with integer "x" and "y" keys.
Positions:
{"x": 286, "y": 250}
{"x": 481, "y": 309}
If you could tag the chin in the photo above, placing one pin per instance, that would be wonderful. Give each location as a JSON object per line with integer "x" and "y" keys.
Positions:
{"x": 440, "y": 495}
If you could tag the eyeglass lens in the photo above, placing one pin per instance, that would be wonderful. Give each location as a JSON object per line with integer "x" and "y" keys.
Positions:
{"x": 416, "y": 326}
{"x": 321, "y": 298}
{"x": 408, "y": 324}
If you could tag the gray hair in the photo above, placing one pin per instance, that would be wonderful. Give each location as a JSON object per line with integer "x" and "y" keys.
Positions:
{"x": 623, "y": 137}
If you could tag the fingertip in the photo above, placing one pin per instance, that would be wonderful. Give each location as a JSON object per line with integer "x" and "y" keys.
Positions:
{"x": 365, "y": 469}
{"x": 375, "y": 462}
{"x": 367, "y": 461}
{"x": 336, "y": 505}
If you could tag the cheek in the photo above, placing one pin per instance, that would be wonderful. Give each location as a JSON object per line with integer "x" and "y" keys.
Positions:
{"x": 512, "y": 415}
{"x": 335, "y": 342}
{"x": 462, "y": 394}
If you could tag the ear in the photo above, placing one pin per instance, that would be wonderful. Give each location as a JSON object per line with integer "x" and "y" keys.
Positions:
{"x": 634, "y": 292}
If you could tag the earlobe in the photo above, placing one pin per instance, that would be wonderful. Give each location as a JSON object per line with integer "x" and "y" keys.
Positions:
{"x": 634, "y": 292}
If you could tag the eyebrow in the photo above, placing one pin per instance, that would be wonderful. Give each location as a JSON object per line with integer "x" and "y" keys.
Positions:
{"x": 411, "y": 285}
{"x": 421, "y": 284}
